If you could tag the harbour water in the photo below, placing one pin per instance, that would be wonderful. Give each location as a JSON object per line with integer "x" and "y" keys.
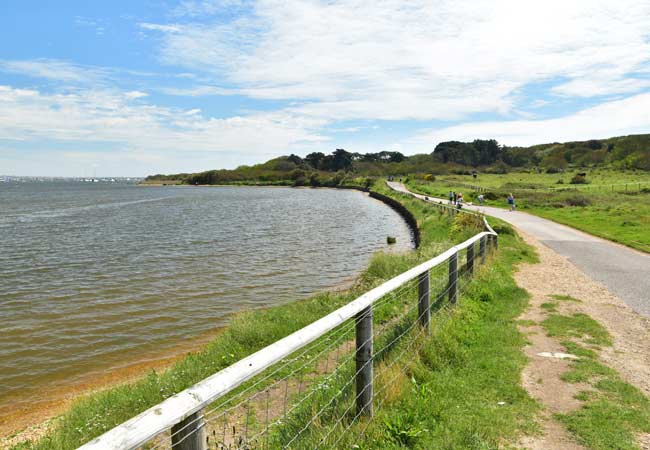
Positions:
{"x": 95, "y": 277}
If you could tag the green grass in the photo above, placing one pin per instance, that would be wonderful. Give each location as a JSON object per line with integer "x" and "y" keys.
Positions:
{"x": 619, "y": 216}
{"x": 613, "y": 412}
{"x": 549, "y": 306}
{"x": 565, "y": 298}
{"x": 577, "y": 325}
{"x": 462, "y": 387}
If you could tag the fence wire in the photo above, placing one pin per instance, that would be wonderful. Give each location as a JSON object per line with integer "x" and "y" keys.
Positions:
{"x": 308, "y": 400}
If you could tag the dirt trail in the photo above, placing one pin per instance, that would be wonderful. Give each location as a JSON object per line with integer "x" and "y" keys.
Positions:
{"x": 629, "y": 354}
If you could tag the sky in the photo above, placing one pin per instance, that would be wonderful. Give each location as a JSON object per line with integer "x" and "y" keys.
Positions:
{"x": 131, "y": 88}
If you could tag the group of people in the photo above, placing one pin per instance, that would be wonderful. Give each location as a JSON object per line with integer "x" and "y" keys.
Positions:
{"x": 457, "y": 199}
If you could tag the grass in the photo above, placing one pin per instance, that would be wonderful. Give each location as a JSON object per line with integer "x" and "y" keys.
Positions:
{"x": 461, "y": 389}
{"x": 617, "y": 215}
{"x": 613, "y": 412}
{"x": 565, "y": 298}
{"x": 450, "y": 395}
{"x": 577, "y": 325}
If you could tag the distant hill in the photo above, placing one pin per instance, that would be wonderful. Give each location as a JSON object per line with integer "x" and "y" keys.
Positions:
{"x": 319, "y": 169}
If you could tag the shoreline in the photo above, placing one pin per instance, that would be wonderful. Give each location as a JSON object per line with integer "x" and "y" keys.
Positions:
{"x": 16, "y": 422}
{"x": 35, "y": 418}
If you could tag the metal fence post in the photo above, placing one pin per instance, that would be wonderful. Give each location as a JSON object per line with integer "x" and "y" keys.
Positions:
{"x": 424, "y": 311}
{"x": 470, "y": 260}
{"x": 453, "y": 278}
{"x": 364, "y": 361}
{"x": 482, "y": 249}
{"x": 189, "y": 434}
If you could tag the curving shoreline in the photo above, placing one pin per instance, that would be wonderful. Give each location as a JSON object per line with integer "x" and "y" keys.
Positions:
{"x": 131, "y": 372}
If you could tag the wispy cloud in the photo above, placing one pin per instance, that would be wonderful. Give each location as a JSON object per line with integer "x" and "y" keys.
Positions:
{"x": 97, "y": 116}
{"x": 158, "y": 27}
{"x": 416, "y": 60}
{"x": 55, "y": 70}
{"x": 615, "y": 118}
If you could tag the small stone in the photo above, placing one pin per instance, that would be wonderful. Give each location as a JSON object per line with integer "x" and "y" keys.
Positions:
{"x": 557, "y": 355}
{"x": 501, "y": 403}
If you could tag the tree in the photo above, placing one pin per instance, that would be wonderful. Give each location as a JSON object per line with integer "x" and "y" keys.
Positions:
{"x": 315, "y": 159}
{"x": 341, "y": 160}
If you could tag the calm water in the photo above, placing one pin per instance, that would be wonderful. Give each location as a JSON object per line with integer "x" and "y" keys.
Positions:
{"x": 94, "y": 277}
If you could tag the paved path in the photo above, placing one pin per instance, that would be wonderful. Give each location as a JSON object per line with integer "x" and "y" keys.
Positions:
{"x": 624, "y": 271}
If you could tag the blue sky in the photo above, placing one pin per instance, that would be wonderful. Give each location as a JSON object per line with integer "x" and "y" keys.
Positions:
{"x": 134, "y": 88}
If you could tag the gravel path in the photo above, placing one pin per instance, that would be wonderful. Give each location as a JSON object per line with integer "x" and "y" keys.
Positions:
{"x": 624, "y": 271}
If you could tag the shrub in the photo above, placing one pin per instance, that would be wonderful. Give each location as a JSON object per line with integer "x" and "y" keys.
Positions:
{"x": 579, "y": 179}
{"x": 464, "y": 222}
{"x": 429, "y": 177}
{"x": 491, "y": 196}
{"x": 577, "y": 200}
{"x": 503, "y": 229}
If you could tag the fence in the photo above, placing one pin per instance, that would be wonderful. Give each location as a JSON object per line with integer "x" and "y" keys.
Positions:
{"x": 309, "y": 389}
{"x": 617, "y": 187}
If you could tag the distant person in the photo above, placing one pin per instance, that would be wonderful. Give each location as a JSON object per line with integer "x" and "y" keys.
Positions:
{"x": 451, "y": 197}
{"x": 480, "y": 199}
{"x": 455, "y": 197}
{"x": 511, "y": 202}
{"x": 459, "y": 200}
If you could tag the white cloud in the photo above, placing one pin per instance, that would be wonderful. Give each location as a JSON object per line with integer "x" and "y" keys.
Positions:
{"x": 392, "y": 59}
{"x": 113, "y": 118}
{"x": 596, "y": 85}
{"x": 135, "y": 94}
{"x": 615, "y": 118}
{"x": 54, "y": 70}
{"x": 158, "y": 27}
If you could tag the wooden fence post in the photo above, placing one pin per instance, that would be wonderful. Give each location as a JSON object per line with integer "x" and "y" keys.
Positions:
{"x": 424, "y": 311}
{"x": 453, "y": 278}
{"x": 470, "y": 260}
{"x": 364, "y": 362}
{"x": 189, "y": 434}
{"x": 482, "y": 249}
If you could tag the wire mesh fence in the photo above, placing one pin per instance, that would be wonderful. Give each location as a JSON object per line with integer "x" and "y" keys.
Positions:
{"x": 322, "y": 394}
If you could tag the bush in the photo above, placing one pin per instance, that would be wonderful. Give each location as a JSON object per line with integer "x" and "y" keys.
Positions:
{"x": 464, "y": 222}
{"x": 503, "y": 229}
{"x": 579, "y": 179}
{"x": 492, "y": 195}
{"x": 577, "y": 200}
{"x": 429, "y": 177}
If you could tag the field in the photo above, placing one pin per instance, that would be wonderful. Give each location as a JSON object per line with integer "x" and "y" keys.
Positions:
{"x": 614, "y": 205}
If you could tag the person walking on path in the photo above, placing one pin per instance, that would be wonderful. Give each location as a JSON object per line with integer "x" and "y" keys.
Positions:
{"x": 451, "y": 197}
{"x": 511, "y": 202}
{"x": 480, "y": 199}
{"x": 459, "y": 200}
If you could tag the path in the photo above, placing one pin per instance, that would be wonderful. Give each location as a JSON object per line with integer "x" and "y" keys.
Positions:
{"x": 624, "y": 271}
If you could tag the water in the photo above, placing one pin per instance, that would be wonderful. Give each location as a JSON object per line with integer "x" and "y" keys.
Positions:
{"x": 95, "y": 277}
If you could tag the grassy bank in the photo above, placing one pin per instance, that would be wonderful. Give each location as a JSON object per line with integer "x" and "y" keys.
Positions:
{"x": 461, "y": 387}
{"x": 619, "y": 216}
{"x": 469, "y": 364}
